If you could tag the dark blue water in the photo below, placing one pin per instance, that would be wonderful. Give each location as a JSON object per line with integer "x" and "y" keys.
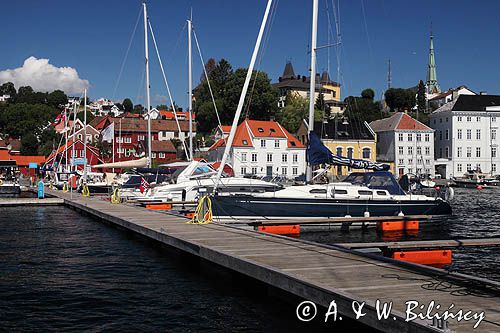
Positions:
{"x": 476, "y": 215}
{"x": 61, "y": 271}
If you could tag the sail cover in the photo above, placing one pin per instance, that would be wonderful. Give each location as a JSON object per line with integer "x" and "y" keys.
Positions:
{"x": 318, "y": 153}
{"x": 142, "y": 162}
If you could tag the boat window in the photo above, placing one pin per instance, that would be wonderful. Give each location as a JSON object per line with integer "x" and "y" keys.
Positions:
{"x": 334, "y": 191}
{"x": 381, "y": 193}
{"x": 355, "y": 179}
{"x": 318, "y": 191}
{"x": 364, "y": 192}
{"x": 201, "y": 170}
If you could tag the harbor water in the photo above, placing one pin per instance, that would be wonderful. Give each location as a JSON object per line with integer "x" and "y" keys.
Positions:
{"x": 476, "y": 214}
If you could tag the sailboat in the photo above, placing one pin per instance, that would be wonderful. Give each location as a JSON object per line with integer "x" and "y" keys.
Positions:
{"x": 375, "y": 193}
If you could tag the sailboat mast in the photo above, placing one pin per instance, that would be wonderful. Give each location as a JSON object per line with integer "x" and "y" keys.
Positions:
{"x": 85, "y": 137}
{"x": 73, "y": 154}
{"x": 312, "y": 86}
{"x": 190, "y": 91}
{"x": 148, "y": 102}
{"x": 230, "y": 139}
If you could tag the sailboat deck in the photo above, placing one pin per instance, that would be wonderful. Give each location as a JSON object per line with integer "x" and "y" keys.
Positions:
{"x": 311, "y": 271}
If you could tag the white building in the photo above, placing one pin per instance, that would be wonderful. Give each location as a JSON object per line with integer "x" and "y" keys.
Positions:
{"x": 441, "y": 99}
{"x": 466, "y": 135}
{"x": 263, "y": 148}
{"x": 405, "y": 142}
{"x": 4, "y": 98}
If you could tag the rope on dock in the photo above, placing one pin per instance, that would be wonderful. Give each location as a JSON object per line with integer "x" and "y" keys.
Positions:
{"x": 203, "y": 212}
{"x": 85, "y": 191}
{"x": 65, "y": 187}
{"x": 115, "y": 197}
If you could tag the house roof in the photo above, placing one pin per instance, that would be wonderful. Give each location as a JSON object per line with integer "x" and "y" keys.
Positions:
{"x": 398, "y": 121}
{"x": 99, "y": 122}
{"x": 68, "y": 145}
{"x": 337, "y": 130}
{"x": 26, "y": 160}
{"x": 14, "y": 143}
{"x": 141, "y": 125}
{"x": 475, "y": 102}
{"x": 288, "y": 72}
{"x": 163, "y": 146}
{"x": 225, "y": 128}
{"x": 249, "y": 129}
{"x": 167, "y": 114}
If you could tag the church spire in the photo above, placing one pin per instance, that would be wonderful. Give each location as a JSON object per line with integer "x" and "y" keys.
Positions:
{"x": 432, "y": 83}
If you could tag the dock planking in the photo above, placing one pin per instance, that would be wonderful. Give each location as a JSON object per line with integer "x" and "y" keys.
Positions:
{"x": 431, "y": 244}
{"x": 315, "y": 272}
{"x": 10, "y": 202}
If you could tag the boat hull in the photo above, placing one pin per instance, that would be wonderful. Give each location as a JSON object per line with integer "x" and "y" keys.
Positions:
{"x": 10, "y": 191}
{"x": 274, "y": 208}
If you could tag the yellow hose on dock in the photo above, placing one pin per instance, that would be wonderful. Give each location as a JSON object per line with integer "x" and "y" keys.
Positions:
{"x": 203, "y": 212}
{"x": 65, "y": 187}
{"x": 115, "y": 197}
{"x": 85, "y": 191}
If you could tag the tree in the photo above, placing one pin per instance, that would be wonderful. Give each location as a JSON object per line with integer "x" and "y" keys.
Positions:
{"x": 209, "y": 67}
{"x": 368, "y": 94}
{"x": 8, "y": 89}
{"x": 22, "y": 118}
{"x": 29, "y": 144}
{"x": 25, "y": 95}
{"x": 90, "y": 116}
{"x": 57, "y": 98}
{"x": 295, "y": 111}
{"x": 399, "y": 99}
{"x": 48, "y": 141}
{"x": 139, "y": 108}
{"x": 105, "y": 148}
{"x": 128, "y": 106}
{"x": 421, "y": 98}
{"x": 162, "y": 107}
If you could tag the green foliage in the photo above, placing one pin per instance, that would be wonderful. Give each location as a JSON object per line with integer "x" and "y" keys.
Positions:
{"x": 8, "y": 89}
{"x": 295, "y": 111}
{"x": 364, "y": 108}
{"x": 139, "y": 109}
{"x": 162, "y": 107}
{"x": 260, "y": 102}
{"x": 105, "y": 148}
{"x": 20, "y": 119}
{"x": 90, "y": 116}
{"x": 421, "y": 97}
{"x": 57, "y": 98}
{"x": 399, "y": 99}
{"x": 29, "y": 144}
{"x": 49, "y": 140}
{"x": 128, "y": 106}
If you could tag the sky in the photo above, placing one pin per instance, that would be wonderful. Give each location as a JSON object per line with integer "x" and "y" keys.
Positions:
{"x": 72, "y": 44}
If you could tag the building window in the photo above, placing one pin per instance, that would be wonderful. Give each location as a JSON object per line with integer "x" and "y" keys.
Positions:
{"x": 401, "y": 161}
{"x": 493, "y": 167}
{"x": 153, "y": 155}
{"x": 295, "y": 171}
{"x": 493, "y": 151}
{"x": 420, "y": 161}
{"x": 478, "y": 134}
{"x": 446, "y": 119}
{"x": 243, "y": 170}
{"x": 469, "y": 167}
{"x": 269, "y": 157}
{"x": 459, "y": 167}
{"x": 447, "y": 152}
{"x": 440, "y": 135}
{"x": 284, "y": 158}
{"x": 295, "y": 158}
{"x": 427, "y": 137}
{"x": 162, "y": 155}
{"x": 440, "y": 120}
{"x": 119, "y": 140}
{"x": 283, "y": 171}
{"x": 400, "y": 137}
{"x": 469, "y": 118}
{"x": 254, "y": 171}
{"x": 469, "y": 134}
{"x": 254, "y": 157}
{"x": 276, "y": 143}
{"x": 350, "y": 152}
{"x": 478, "y": 119}
{"x": 366, "y": 153}
{"x": 400, "y": 150}
{"x": 440, "y": 152}
{"x": 478, "y": 151}
{"x": 447, "y": 135}
{"x": 459, "y": 118}
{"x": 141, "y": 137}
{"x": 493, "y": 119}
{"x": 262, "y": 143}
{"x": 493, "y": 134}
{"x": 427, "y": 151}
{"x": 427, "y": 161}
{"x": 243, "y": 157}
{"x": 410, "y": 137}
{"x": 410, "y": 150}
{"x": 469, "y": 152}
{"x": 128, "y": 140}
{"x": 459, "y": 134}
{"x": 419, "y": 137}
{"x": 459, "y": 151}
{"x": 419, "y": 150}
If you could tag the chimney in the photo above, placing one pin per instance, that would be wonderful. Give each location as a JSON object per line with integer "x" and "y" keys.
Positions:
{"x": 483, "y": 93}
{"x": 454, "y": 95}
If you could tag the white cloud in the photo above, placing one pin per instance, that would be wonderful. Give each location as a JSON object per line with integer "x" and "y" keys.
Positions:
{"x": 160, "y": 98}
{"x": 42, "y": 76}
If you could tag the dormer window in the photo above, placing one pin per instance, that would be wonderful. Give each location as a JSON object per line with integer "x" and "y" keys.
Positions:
{"x": 245, "y": 142}
{"x": 261, "y": 130}
{"x": 272, "y": 130}
{"x": 293, "y": 143}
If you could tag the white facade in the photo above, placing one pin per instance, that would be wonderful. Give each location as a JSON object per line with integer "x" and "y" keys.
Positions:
{"x": 414, "y": 152}
{"x": 468, "y": 140}
{"x": 4, "y": 98}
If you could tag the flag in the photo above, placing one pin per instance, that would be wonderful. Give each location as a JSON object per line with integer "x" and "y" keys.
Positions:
{"x": 144, "y": 185}
{"x": 108, "y": 133}
{"x": 60, "y": 117}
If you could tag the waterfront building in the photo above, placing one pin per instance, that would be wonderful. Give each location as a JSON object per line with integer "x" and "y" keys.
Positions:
{"x": 348, "y": 138}
{"x": 74, "y": 149}
{"x": 405, "y": 142}
{"x": 222, "y": 131}
{"x": 92, "y": 133}
{"x": 298, "y": 86}
{"x": 27, "y": 164}
{"x": 263, "y": 148}
{"x": 467, "y": 135}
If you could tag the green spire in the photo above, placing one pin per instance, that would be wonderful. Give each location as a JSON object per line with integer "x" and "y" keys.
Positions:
{"x": 432, "y": 83}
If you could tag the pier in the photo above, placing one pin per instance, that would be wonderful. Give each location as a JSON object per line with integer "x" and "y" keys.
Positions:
{"x": 11, "y": 202}
{"x": 314, "y": 272}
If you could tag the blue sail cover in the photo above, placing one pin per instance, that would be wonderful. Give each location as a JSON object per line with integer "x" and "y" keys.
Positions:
{"x": 318, "y": 153}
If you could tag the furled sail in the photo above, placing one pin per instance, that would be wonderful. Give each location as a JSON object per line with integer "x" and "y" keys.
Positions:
{"x": 318, "y": 153}
{"x": 140, "y": 163}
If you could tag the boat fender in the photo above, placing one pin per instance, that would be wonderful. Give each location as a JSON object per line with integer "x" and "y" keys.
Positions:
{"x": 449, "y": 194}
{"x": 1, "y": 182}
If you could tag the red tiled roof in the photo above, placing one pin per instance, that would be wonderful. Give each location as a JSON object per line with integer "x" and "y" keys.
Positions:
{"x": 408, "y": 123}
{"x": 225, "y": 129}
{"x": 167, "y": 114}
{"x": 141, "y": 125}
{"x": 398, "y": 121}
{"x": 26, "y": 160}
{"x": 4, "y": 155}
{"x": 163, "y": 146}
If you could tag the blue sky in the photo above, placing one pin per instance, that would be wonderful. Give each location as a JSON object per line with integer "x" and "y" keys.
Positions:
{"x": 92, "y": 37}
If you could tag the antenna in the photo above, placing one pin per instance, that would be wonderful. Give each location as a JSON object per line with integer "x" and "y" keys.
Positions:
{"x": 389, "y": 75}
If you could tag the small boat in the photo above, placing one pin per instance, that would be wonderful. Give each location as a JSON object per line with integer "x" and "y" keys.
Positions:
{"x": 9, "y": 186}
{"x": 471, "y": 179}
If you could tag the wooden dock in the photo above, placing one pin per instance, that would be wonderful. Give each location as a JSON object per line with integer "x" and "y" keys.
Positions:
{"x": 427, "y": 244}
{"x": 312, "y": 271}
{"x": 10, "y": 202}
